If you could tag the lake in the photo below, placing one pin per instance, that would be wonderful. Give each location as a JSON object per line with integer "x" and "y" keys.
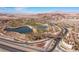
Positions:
{"x": 22, "y": 30}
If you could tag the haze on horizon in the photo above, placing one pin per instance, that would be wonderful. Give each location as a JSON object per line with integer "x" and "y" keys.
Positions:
{"x": 38, "y": 9}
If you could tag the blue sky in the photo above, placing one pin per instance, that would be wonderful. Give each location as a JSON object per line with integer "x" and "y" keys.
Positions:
{"x": 37, "y": 9}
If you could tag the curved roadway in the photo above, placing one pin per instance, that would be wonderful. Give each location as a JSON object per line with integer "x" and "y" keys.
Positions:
{"x": 59, "y": 38}
{"x": 61, "y": 35}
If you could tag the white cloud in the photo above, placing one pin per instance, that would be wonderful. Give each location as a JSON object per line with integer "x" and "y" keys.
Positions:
{"x": 23, "y": 10}
{"x": 19, "y": 9}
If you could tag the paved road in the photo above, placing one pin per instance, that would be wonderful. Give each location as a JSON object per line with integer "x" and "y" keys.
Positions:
{"x": 3, "y": 50}
{"x": 58, "y": 39}
{"x": 55, "y": 48}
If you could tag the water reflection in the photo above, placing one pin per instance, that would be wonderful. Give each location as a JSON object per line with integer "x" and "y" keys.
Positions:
{"x": 22, "y": 30}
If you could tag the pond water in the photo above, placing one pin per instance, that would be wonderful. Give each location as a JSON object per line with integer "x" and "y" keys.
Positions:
{"x": 22, "y": 30}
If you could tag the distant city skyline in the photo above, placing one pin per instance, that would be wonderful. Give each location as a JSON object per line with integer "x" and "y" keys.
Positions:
{"x": 37, "y": 9}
